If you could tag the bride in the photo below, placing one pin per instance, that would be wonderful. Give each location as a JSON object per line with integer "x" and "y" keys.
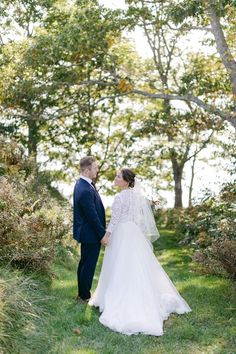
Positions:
{"x": 134, "y": 293}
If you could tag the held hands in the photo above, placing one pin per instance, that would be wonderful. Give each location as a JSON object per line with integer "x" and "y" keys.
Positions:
{"x": 106, "y": 238}
{"x": 155, "y": 204}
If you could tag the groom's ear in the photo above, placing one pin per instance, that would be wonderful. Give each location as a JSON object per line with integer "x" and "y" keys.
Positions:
{"x": 87, "y": 169}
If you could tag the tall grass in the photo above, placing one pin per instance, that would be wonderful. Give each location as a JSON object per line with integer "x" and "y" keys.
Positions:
{"x": 22, "y": 306}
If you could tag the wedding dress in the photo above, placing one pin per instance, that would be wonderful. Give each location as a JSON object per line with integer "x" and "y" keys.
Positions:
{"x": 134, "y": 293}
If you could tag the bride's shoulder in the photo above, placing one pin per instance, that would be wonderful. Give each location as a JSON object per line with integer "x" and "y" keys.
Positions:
{"x": 122, "y": 193}
{"x": 125, "y": 193}
{"x": 122, "y": 197}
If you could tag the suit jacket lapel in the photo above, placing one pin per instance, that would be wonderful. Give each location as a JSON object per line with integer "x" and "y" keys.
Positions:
{"x": 87, "y": 184}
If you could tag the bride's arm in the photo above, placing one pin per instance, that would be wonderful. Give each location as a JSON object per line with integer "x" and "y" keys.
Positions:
{"x": 116, "y": 214}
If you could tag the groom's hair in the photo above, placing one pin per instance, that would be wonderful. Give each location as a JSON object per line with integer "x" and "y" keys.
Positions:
{"x": 86, "y": 162}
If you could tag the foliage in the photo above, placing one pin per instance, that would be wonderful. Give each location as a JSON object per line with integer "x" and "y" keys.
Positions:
{"x": 67, "y": 86}
{"x": 185, "y": 10}
{"x": 210, "y": 228}
{"x": 169, "y": 218}
{"x": 176, "y": 134}
{"x": 172, "y": 139}
{"x": 32, "y": 223}
{"x": 205, "y": 76}
{"x": 218, "y": 257}
{"x": 22, "y": 306}
{"x": 49, "y": 98}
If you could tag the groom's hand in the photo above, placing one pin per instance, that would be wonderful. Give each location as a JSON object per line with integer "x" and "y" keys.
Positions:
{"x": 105, "y": 239}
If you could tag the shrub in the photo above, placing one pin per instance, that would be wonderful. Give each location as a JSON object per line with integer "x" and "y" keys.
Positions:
{"x": 13, "y": 159}
{"x": 29, "y": 229}
{"x": 211, "y": 229}
{"x": 169, "y": 218}
{"x": 224, "y": 251}
{"x": 32, "y": 222}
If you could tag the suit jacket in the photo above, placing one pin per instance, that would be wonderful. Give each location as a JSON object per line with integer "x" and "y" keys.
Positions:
{"x": 89, "y": 214}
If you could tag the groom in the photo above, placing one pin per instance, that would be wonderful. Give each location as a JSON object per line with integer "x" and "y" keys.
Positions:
{"x": 89, "y": 225}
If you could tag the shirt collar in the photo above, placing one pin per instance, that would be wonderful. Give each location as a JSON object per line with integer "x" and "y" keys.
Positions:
{"x": 86, "y": 179}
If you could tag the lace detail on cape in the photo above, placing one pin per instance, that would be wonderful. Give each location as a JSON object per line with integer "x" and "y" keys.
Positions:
{"x": 130, "y": 205}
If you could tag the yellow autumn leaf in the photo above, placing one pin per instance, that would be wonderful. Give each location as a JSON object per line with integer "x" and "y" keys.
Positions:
{"x": 13, "y": 169}
{"x": 110, "y": 41}
{"x": 124, "y": 86}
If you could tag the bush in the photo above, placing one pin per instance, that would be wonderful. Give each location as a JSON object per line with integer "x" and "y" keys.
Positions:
{"x": 32, "y": 222}
{"x": 169, "y": 218}
{"x": 29, "y": 229}
{"x": 210, "y": 228}
{"x": 13, "y": 159}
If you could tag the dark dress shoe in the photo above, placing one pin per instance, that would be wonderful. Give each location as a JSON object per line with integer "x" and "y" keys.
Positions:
{"x": 78, "y": 298}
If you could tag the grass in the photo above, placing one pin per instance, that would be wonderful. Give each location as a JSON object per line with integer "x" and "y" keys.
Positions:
{"x": 22, "y": 304}
{"x": 209, "y": 328}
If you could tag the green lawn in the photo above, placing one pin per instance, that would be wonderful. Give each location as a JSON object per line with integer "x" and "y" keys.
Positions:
{"x": 209, "y": 328}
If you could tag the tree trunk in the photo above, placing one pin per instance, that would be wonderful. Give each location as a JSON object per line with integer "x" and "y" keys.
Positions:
{"x": 176, "y": 166}
{"x": 191, "y": 181}
{"x": 32, "y": 139}
{"x": 222, "y": 46}
{"x": 178, "y": 173}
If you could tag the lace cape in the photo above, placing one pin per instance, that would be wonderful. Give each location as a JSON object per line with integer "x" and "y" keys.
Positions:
{"x": 131, "y": 205}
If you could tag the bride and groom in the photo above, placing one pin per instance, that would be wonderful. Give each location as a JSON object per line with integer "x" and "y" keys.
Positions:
{"x": 134, "y": 294}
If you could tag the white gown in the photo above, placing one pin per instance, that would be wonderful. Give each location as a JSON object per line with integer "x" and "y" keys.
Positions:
{"x": 134, "y": 293}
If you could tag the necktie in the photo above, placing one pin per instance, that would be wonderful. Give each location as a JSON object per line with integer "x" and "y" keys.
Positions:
{"x": 93, "y": 186}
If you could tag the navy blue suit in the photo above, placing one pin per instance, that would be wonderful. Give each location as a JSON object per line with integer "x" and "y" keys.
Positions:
{"x": 88, "y": 229}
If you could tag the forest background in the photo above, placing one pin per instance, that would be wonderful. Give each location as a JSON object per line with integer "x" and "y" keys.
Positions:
{"x": 147, "y": 84}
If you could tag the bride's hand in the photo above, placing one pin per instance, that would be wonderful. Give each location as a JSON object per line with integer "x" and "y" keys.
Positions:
{"x": 155, "y": 203}
{"x": 106, "y": 238}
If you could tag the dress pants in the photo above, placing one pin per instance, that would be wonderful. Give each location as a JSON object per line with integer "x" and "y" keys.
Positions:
{"x": 89, "y": 253}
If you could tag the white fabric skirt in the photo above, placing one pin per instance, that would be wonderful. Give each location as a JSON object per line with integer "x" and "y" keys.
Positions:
{"x": 134, "y": 293}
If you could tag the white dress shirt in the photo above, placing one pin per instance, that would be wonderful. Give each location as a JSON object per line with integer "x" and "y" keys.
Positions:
{"x": 87, "y": 180}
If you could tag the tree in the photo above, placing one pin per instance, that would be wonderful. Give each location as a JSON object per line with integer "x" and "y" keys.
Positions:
{"x": 44, "y": 78}
{"x": 168, "y": 73}
{"x": 210, "y": 12}
{"x": 155, "y": 14}
{"x": 21, "y": 17}
{"x": 190, "y": 133}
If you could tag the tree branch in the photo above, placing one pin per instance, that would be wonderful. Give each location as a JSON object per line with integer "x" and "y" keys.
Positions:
{"x": 222, "y": 46}
{"x": 225, "y": 115}
{"x": 203, "y": 145}
{"x": 186, "y": 27}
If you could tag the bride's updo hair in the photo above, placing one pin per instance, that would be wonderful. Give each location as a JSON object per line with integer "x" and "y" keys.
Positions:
{"x": 129, "y": 176}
